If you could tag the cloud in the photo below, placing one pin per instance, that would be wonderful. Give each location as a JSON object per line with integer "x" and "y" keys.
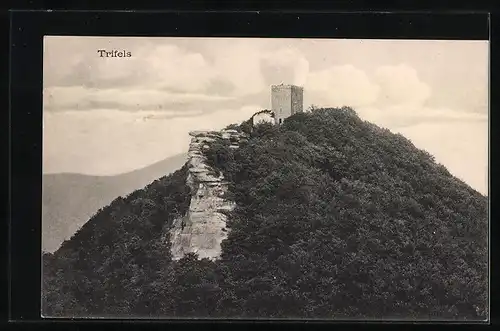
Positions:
{"x": 161, "y": 67}
{"x": 250, "y": 67}
{"x": 341, "y": 86}
{"x": 170, "y": 67}
{"x": 286, "y": 61}
{"x": 156, "y": 74}
{"x": 406, "y": 115}
{"x": 238, "y": 63}
{"x": 400, "y": 84}
{"x": 239, "y": 67}
{"x": 393, "y": 96}
{"x": 346, "y": 85}
{"x": 159, "y": 73}
{"x": 82, "y": 98}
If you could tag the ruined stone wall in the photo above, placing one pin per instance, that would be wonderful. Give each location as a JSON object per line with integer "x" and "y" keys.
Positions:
{"x": 263, "y": 117}
{"x": 203, "y": 228}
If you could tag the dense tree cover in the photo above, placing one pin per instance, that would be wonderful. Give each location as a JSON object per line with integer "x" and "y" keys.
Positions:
{"x": 108, "y": 265}
{"x": 335, "y": 218}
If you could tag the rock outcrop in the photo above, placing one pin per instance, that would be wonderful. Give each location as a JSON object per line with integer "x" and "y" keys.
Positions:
{"x": 203, "y": 228}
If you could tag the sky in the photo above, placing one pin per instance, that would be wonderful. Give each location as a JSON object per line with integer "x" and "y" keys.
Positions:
{"x": 106, "y": 116}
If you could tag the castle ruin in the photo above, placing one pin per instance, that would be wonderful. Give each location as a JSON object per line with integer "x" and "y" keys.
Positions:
{"x": 203, "y": 228}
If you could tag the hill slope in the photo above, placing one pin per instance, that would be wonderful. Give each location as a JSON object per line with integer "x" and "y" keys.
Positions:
{"x": 335, "y": 218}
{"x": 69, "y": 200}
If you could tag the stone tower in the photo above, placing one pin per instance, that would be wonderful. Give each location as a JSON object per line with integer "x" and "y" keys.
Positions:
{"x": 286, "y": 100}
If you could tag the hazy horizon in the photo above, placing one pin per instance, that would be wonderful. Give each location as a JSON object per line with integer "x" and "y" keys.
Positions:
{"x": 117, "y": 174}
{"x": 109, "y": 116}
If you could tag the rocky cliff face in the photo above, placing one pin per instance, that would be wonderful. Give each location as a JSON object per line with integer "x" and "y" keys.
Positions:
{"x": 203, "y": 228}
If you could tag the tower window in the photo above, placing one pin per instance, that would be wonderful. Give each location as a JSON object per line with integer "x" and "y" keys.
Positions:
{"x": 280, "y": 120}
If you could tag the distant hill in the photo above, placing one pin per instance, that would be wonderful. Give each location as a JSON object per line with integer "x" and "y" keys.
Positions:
{"x": 335, "y": 218}
{"x": 69, "y": 199}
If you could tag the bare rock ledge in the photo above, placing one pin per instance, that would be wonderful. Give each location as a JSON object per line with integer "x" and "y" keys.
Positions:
{"x": 203, "y": 228}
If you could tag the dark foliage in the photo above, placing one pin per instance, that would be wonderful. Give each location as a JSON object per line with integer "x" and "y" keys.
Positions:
{"x": 336, "y": 218}
{"x": 104, "y": 268}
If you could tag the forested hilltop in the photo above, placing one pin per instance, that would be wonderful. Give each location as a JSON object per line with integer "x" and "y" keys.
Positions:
{"x": 335, "y": 218}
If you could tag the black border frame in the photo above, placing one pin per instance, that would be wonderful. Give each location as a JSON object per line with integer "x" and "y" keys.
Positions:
{"x": 25, "y": 132}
